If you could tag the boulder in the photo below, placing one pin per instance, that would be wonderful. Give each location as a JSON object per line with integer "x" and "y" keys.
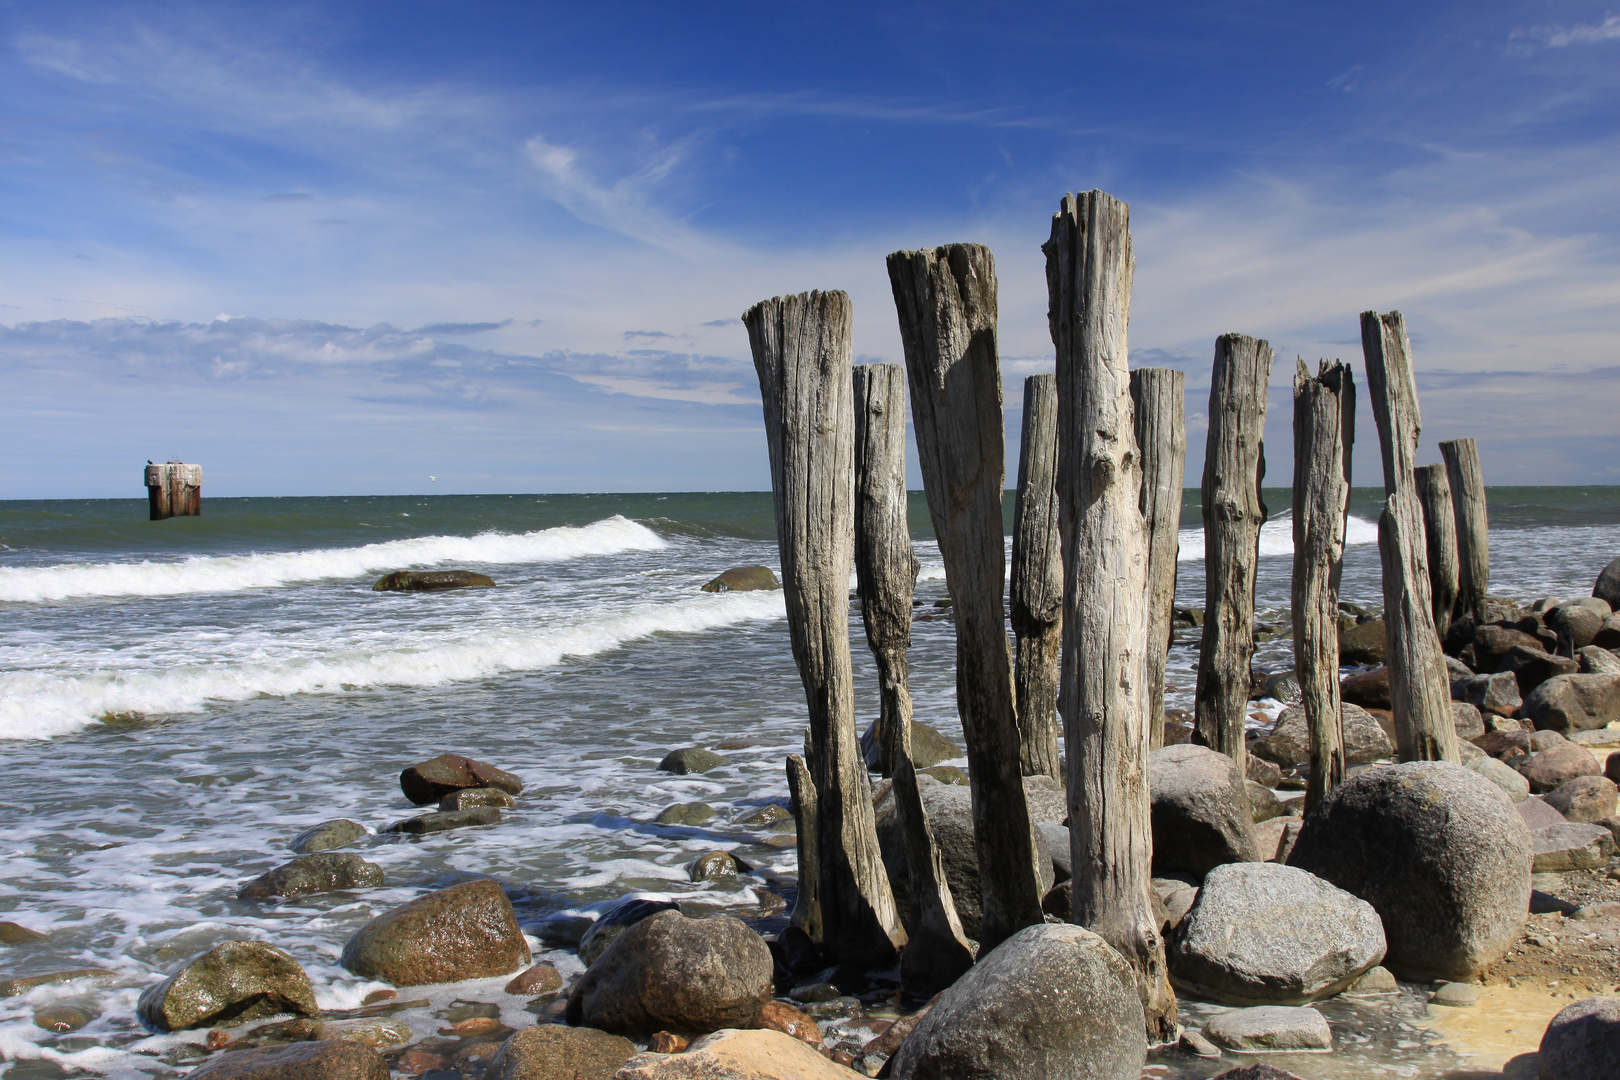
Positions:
{"x": 444, "y": 821}
{"x": 1264, "y": 933}
{"x": 715, "y": 866}
{"x": 468, "y": 931}
{"x": 1575, "y": 623}
{"x": 1607, "y": 588}
{"x": 685, "y": 813}
{"x": 928, "y": 747}
{"x": 1570, "y": 846}
{"x": 1611, "y": 768}
{"x": 1270, "y": 1029}
{"x": 340, "y": 832}
{"x": 744, "y": 579}
{"x": 1492, "y": 642}
{"x": 1536, "y": 814}
{"x": 691, "y": 759}
{"x": 432, "y": 581}
{"x": 555, "y": 1052}
{"x": 324, "y": 872}
{"x": 326, "y": 1060}
{"x": 1281, "y": 686}
{"x": 1200, "y": 811}
{"x": 1608, "y": 635}
{"x": 1595, "y": 660}
{"x": 1369, "y": 689}
{"x": 615, "y": 921}
{"x": 1532, "y": 667}
{"x": 1497, "y": 693}
{"x": 1363, "y": 644}
{"x": 738, "y": 1055}
{"x": 1513, "y": 785}
{"x": 229, "y": 984}
{"x": 1574, "y": 702}
{"x": 1053, "y": 1001}
{"x": 540, "y": 979}
{"x": 1586, "y": 799}
{"x": 1467, "y": 720}
{"x": 1289, "y": 743}
{"x": 432, "y": 780}
{"x": 1583, "y": 1041}
{"x": 470, "y": 798}
{"x": 1263, "y": 803}
{"x": 1437, "y": 850}
{"x": 1559, "y": 763}
{"x": 1262, "y": 772}
{"x": 669, "y": 972}
{"x": 950, "y": 819}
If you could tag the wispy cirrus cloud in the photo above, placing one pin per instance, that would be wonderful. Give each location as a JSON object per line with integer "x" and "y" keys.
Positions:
{"x": 1559, "y": 37}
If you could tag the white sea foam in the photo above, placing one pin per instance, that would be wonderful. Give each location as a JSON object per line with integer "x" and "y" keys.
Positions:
{"x": 1277, "y": 537}
{"x": 42, "y": 704}
{"x": 235, "y": 573}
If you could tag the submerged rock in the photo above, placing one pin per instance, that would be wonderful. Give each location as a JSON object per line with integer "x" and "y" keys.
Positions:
{"x": 376, "y": 1032}
{"x": 540, "y": 979}
{"x": 744, "y": 579}
{"x": 1053, "y": 1001}
{"x": 13, "y": 934}
{"x": 690, "y": 760}
{"x": 229, "y": 984}
{"x": 324, "y": 872}
{"x": 468, "y": 931}
{"x": 685, "y": 813}
{"x": 1583, "y": 1041}
{"x": 555, "y": 1052}
{"x": 328, "y": 1060}
{"x": 444, "y": 821}
{"x": 432, "y": 581}
{"x": 340, "y": 832}
{"x": 430, "y": 781}
{"x": 1201, "y": 814}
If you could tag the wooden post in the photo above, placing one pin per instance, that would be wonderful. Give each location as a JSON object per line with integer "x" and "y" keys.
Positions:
{"x": 1159, "y": 396}
{"x": 801, "y": 347}
{"x": 886, "y": 569}
{"x": 1089, "y": 265}
{"x": 1321, "y": 503}
{"x": 1467, "y": 481}
{"x": 1234, "y": 466}
{"x": 173, "y": 490}
{"x": 1035, "y": 593}
{"x": 1418, "y": 687}
{"x": 1440, "y": 527}
{"x": 946, "y": 301}
{"x": 807, "y": 907}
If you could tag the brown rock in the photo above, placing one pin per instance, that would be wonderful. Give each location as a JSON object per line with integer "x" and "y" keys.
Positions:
{"x": 1369, "y": 689}
{"x": 229, "y": 984}
{"x": 62, "y": 1019}
{"x": 333, "y": 1060}
{"x": 666, "y": 1042}
{"x": 1258, "y": 1071}
{"x": 737, "y": 1055}
{"x": 1264, "y": 772}
{"x": 1363, "y": 643}
{"x": 780, "y": 1016}
{"x": 1556, "y": 765}
{"x": 25, "y": 983}
{"x": 1492, "y": 642}
{"x": 432, "y": 581}
{"x": 12, "y": 934}
{"x": 432, "y": 780}
{"x": 744, "y": 579}
{"x": 1537, "y": 814}
{"x": 1504, "y": 744}
{"x": 1587, "y": 799}
{"x": 1572, "y": 702}
{"x": 1532, "y": 667}
{"x": 468, "y": 931}
{"x": 377, "y": 1032}
{"x": 554, "y": 1052}
{"x": 469, "y": 798}
{"x": 540, "y": 979}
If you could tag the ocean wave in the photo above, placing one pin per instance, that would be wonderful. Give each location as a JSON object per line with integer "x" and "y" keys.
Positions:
{"x": 235, "y": 573}
{"x": 39, "y": 705}
{"x": 1277, "y": 537}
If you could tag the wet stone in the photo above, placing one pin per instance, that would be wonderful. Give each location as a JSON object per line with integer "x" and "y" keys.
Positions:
{"x": 686, "y": 813}
{"x": 540, "y": 979}
{"x": 690, "y": 760}
{"x": 468, "y": 798}
{"x": 319, "y": 873}
{"x": 62, "y": 1018}
{"x": 715, "y": 866}
{"x": 765, "y": 815}
{"x": 1271, "y": 1028}
{"x": 1456, "y": 995}
{"x": 13, "y": 934}
{"x": 445, "y": 821}
{"x": 340, "y": 832}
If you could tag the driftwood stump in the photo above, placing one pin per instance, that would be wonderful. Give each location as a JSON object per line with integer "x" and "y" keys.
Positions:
{"x": 1035, "y": 595}
{"x": 807, "y": 908}
{"x": 886, "y": 568}
{"x": 1089, "y": 265}
{"x": 946, "y": 301}
{"x": 1440, "y": 529}
{"x": 1467, "y": 482}
{"x": 1321, "y": 502}
{"x": 801, "y": 347}
{"x": 1419, "y": 689}
{"x": 1159, "y": 397}
{"x": 1234, "y": 466}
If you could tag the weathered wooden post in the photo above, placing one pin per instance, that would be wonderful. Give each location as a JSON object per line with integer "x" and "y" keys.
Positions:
{"x": 1234, "y": 466}
{"x": 946, "y": 301}
{"x": 801, "y": 347}
{"x": 1089, "y": 265}
{"x": 1419, "y": 690}
{"x": 1467, "y": 482}
{"x": 1440, "y": 527}
{"x": 1035, "y": 593}
{"x": 173, "y": 490}
{"x": 807, "y": 905}
{"x": 1321, "y": 502}
{"x": 886, "y": 569}
{"x": 1159, "y": 397}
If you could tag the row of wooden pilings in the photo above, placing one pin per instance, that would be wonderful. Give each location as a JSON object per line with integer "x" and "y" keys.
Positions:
{"x": 1093, "y": 581}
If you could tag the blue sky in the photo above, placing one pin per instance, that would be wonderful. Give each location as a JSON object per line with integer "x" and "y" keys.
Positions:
{"x": 336, "y": 248}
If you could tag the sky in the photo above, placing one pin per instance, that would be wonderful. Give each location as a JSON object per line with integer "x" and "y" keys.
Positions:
{"x": 341, "y": 248}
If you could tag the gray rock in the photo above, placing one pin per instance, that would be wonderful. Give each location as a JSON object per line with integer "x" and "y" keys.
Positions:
{"x": 1570, "y": 846}
{"x": 1608, "y": 635}
{"x": 762, "y": 1054}
{"x": 928, "y": 747}
{"x": 615, "y": 921}
{"x": 323, "y": 872}
{"x": 1537, "y": 814}
{"x": 1177, "y": 894}
{"x": 691, "y": 759}
{"x": 669, "y": 972}
{"x": 1560, "y": 762}
{"x": 685, "y": 813}
{"x": 444, "y": 821}
{"x": 1570, "y": 703}
{"x": 557, "y": 1052}
{"x": 1282, "y": 686}
{"x": 1271, "y": 1028}
{"x": 432, "y": 581}
{"x": 1456, "y": 995}
{"x": 1586, "y": 799}
{"x": 1595, "y": 660}
{"x": 1513, "y": 785}
{"x": 229, "y": 984}
{"x": 1263, "y": 803}
{"x": 1363, "y": 643}
{"x": 1192, "y": 1041}
{"x": 743, "y": 579}
{"x": 340, "y": 832}
{"x": 468, "y": 798}
{"x": 1374, "y": 982}
{"x": 1262, "y": 772}
{"x": 1057, "y": 841}
{"x": 1263, "y": 933}
{"x": 1583, "y": 1041}
{"x": 1496, "y": 693}
{"x": 1201, "y": 814}
{"x": 1597, "y": 604}
{"x": 1467, "y": 720}
{"x": 468, "y": 931}
{"x": 1441, "y": 854}
{"x": 1053, "y": 1001}
{"x": 1576, "y": 623}
{"x": 336, "y": 1059}
{"x": 1289, "y": 742}
{"x": 715, "y": 866}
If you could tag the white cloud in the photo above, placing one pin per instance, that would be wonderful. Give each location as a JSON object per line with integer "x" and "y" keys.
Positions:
{"x": 1557, "y": 37}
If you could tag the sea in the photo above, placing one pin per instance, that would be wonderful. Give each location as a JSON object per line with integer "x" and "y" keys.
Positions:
{"x": 178, "y": 699}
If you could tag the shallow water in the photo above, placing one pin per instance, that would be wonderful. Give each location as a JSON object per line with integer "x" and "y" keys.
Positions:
{"x": 256, "y": 685}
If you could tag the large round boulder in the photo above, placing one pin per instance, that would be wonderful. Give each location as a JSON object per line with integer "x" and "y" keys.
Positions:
{"x": 335, "y": 1059}
{"x": 1289, "y": 743}
{"x": 1054, "y": 1001}
{"x": 431, "y": 780}
{"x": 468, "y": 931}
{"x": 555, "y": 1052}
{"x": 1556, "y": 764}
{"x": 615, "y": 921}
{"x": 1582, "y": 1042}
{"x": 737, "y": 1055}
{"x": 1438, "y": 851}
{"x": 229, "y": 984}
{"x": 324, "y": 872}
{"x": 1201, "y": 815}
{"x": 672, "y": 973}
{"x": 339, "y": 832}
{"x": 1571, "y": 703}
{"x": 1607, "y": 588}
{"x": 1267, "y": 934}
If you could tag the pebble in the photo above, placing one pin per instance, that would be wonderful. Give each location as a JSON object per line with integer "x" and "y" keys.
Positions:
{"x": 1456, "y": 995}
{"x": 62, "y": 1018}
